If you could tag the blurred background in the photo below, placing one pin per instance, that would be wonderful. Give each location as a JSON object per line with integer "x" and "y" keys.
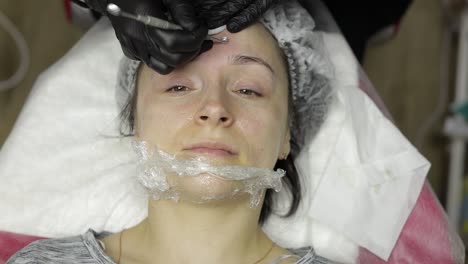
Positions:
{"x": 416, "y": 66}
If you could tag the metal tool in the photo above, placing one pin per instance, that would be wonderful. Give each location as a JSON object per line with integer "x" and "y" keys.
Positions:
{"x": 218, "y": 40}
{"x": 115, "y": 10}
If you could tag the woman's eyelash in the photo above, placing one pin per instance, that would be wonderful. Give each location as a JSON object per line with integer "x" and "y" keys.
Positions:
{"x": 177, "y": 88}
{"x": 249, "y": 92}
{"x": 182, "y": 88}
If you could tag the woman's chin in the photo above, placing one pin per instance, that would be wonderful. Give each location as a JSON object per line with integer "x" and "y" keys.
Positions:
{"x": 206, "y": 188}
{"x": 214, "y": 159}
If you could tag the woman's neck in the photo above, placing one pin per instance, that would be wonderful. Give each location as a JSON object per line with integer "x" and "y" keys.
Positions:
{"x": 184, "y": 232}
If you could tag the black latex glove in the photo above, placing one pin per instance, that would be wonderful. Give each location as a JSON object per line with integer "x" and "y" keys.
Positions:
{"x": 235, "y": 14}
{"x": 160, "y": 49}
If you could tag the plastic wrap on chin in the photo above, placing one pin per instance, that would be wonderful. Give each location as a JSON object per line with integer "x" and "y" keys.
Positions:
{"x": 157, "y": 170}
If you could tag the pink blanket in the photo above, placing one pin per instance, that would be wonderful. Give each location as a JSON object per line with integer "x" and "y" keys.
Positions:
{"x": 10, "y": 243}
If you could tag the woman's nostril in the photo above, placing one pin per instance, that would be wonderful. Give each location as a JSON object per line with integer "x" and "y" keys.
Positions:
{"x": 222, "y": 119}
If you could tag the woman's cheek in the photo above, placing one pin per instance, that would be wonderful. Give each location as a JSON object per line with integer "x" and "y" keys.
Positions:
{"x": 251, "y": 123}
{"x": 255, "y": 132}
{"x": 157, "y": 120}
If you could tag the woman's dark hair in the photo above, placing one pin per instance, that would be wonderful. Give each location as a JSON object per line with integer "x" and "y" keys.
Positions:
{"x": 290, "y": 181}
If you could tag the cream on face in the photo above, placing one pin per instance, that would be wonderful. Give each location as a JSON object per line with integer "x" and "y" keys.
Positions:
{"x": 228, "y": 106}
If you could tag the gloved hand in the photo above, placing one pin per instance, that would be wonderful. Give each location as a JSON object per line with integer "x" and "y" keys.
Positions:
{"x": 235, "y": 14}
{"x": 162, "y": 50}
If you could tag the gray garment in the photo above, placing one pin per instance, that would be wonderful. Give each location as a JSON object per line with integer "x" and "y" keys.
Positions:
{"x": 86, "y": 249}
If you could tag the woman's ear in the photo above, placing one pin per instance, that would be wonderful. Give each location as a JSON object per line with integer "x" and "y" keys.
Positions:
{"x": 286, "y": 146}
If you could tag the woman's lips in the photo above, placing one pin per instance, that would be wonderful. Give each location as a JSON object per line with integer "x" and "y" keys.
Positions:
{"x": 214, "y": 149}
{"x": 215, "y": 152}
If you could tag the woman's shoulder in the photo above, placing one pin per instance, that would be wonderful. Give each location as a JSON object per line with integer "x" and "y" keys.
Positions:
{"x": 75, "y": 249}
{"x": 47, "y": 250}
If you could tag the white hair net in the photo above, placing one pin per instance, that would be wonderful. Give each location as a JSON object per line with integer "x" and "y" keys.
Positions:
{"x": 309, "y": 69}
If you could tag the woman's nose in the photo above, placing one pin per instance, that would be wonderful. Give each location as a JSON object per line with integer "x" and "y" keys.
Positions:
{"x": 214, "y": 112}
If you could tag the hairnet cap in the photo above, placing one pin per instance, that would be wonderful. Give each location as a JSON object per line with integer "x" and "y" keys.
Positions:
{"x": 309, "y": 69}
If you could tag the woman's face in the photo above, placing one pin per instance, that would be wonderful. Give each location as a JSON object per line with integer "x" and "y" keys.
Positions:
{"x": 229, "y": 106}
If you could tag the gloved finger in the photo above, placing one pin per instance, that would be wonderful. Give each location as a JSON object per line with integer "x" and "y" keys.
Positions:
{"x": 203, "y": 7}
{"x": 206, "y": 46}
{"x": 129, "y": 53}
{"x": 96, "y": 5}
{"x": 183, "y": 13}
{"x": 173, "y": 59}
{"x": 127, "y": 29}
{"x": 157, "y": 63}
{"x": 127, "y": 45}
{"x": 217, "y": 13}
{"x": 231, "y": 8}
{"x": 139, "y": 48}
{"x": 249, "y": 15}
{"x": 177, "y": 40}
{"x": 159, "y": 66}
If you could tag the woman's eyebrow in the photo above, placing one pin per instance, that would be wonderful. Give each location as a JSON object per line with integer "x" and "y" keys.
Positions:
{"x": 240, "y": 59}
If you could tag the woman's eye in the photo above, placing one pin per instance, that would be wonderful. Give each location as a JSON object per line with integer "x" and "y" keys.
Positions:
{"x": 249, "y": 92}
{"x": 177, "y": 89}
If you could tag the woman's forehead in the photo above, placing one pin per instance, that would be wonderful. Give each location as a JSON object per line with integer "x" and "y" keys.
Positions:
{"x": 254, "y": 41}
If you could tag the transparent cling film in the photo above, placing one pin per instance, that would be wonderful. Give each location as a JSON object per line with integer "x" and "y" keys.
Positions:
{"x": 165, "y": 176}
